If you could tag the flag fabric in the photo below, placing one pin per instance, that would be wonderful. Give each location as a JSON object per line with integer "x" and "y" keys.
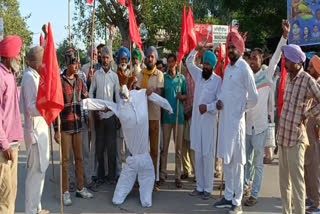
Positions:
{"x": 183, "y": 47}
{"x": 41, "y": 39}
{"x": 122, "y": 2}
{"x": 133, "y": 28}
{"x": 191, "y": 32}
{"x": 218, "y": 66}
{"x": 50, "y": 97}
{"x": 90, "y": 1}
{"x": 282, "y": 85}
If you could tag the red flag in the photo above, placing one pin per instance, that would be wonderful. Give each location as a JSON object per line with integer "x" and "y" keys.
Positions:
{"x": 41, "y": 39}
{"x": 133, "y": 28}
{"x": 191, "y": 32}
{"x": 282, "y": 85}
{"x": 50, "y": 97}
{"x": 218, "y": 67}
{"x": 90, "y": 1}
{"x": 122, "y": 2}
{"x": 183, "y": 47}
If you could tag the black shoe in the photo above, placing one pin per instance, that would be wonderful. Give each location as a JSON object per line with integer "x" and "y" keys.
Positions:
{"x": 235, "y": 209}
{"x": 223, "y": 203}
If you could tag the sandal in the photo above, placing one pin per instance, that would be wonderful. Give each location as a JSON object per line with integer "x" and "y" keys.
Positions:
{"x": 44, "y": 212}
{"x": 178, "y": 183}
{"x": 312, "y": 210}
{"x": 195, "y": 192}
{"x": 250, "y": 202}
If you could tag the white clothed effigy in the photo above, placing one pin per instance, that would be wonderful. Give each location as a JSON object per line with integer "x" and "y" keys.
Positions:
{"x": 133, "y": 115}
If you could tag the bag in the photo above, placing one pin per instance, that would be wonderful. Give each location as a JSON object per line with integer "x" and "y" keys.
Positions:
{"x": 270, "y": 138}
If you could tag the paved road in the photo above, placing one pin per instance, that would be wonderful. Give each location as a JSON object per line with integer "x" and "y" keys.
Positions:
{"x": 167, "y": 200}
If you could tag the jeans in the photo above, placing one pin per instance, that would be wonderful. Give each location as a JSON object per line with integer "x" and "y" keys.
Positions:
{"x": 255, "y": 144}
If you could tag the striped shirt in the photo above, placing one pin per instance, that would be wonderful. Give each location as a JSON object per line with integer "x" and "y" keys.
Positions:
{"x": 298, "y": 93}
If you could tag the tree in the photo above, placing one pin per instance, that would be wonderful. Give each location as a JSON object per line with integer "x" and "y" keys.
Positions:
{"x": 14, "y": 23}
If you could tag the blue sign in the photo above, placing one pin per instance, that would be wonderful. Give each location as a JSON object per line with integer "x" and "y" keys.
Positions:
{"x": 304, "y": 18}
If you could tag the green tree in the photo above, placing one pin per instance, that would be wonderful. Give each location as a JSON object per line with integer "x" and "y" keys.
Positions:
{"x": 14, "y": 23}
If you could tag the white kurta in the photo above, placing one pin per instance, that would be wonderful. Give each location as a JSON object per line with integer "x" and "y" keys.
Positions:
{"x": 238, "y": 94}
{"x": 133, "y": 115}
{"x": 203, "y": 129}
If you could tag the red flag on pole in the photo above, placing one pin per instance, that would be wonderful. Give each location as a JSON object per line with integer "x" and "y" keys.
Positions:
{"x": 191, "y": 32}
{"x": 41, "y": 39}
{"x": 282, "y": 85}
{"x": 183, "y": 47}
{"x": 122, "y": 2}
{"x": 50, "y": 97}
{"x": 218, "y": 67}
{"x": 133, "y": 28}
{"x": 90, "y": 1}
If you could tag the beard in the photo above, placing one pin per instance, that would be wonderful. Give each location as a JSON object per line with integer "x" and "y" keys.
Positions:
{"x": 150, "y": 66}
{"x": 15, "y": 66}
{"x": 206, "y": 74}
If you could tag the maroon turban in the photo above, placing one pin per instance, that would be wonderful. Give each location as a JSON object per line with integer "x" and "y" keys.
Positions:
{"x": 10, "y": 47}
{"x": 237, "y": 40}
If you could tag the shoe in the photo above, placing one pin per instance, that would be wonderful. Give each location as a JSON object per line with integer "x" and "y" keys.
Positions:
{"x": 250, "y": 202}
{"x": 223, "y": 203}
{"x": 312, "y": 210}
{"x": 156, "y": 187}
{"x": 195, "y": 192}
{"x": 84, "y": 193}
{"x": 72, "y": 187}
{"x": 66, "y": 199}
{"x": 206, "y": 196}
{"x": 235, "y": 209}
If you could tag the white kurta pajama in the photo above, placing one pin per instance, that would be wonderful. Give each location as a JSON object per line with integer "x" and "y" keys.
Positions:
{"x": 133, "y": 115}
{"x": 36, "y": 137}
{"x": 238, "y": 94}
{"x": 203, "y": 131}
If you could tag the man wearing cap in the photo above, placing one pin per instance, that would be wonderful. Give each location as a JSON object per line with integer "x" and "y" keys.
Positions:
{"x": 257, "y": 117}
{"x": 71, "y": 126}
{"x": 105, "y": 86}
{"x": 10, "y": 122}
{"x": 238, "y": 94}
{"x": 152, "y": 79}
{"x": 292, "y": 138}
{"x": 203, "y": 131}
{"x": 312, "y": 155}
{"x": 136, "y": 61}
{"x": 36, "y": 133}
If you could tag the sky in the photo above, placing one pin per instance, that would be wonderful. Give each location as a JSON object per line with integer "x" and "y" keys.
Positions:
{"x": 44, "y": 11}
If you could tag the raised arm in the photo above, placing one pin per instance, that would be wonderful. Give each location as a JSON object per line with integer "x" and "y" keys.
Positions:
{"x": 194, "y": 71}
{"x": 252, "y": 98}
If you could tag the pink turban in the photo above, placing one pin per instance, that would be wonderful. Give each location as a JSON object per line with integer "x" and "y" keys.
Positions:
{"x": 10, "y": 47}
{"x": 237, "y": 40}
{"x": 315, "y": 61}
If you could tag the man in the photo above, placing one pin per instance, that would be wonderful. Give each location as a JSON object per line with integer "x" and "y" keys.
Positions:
{"x": 137, "y": 61}
{"x": 257, "y": 117}
{"x": 238, "y": 94}
{"x": 105, "y": 85}
{"x": 312, "y": 156}
{"x": 204, "y": 119}
{"x": 152, "y": 79}
{"x": 292, "y": 138}
{"x": 71, "y": 127}
{"x": 174, "y": 88}
{"x": 36, "y": 133}
{"x": 10, "y": 122}
{"x": 131, "y": 111}
{"x": 160, "y": 66}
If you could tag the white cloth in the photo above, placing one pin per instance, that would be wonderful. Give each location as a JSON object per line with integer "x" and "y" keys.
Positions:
{"x": 203, "y": 129}
{"x": 257, "y": 117}
{"x": 34, "y": 182}
{"x": 36, "y": 130}
{"x": 105, "y": 86}
{"x": 238, "y": 94}
{"x": 133, "y": 115}
{"x": 234, "y": 178}
{"x": 204, "y": 172}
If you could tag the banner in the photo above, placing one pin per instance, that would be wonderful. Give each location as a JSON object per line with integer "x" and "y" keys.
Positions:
{"x": 220, "y": 33}
{"x": 304, "y": 18}
{"x": 215, "y": 34}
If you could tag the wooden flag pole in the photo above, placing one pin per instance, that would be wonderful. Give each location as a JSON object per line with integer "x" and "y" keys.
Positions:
{"x": 69, "y": 22}
{"x": 60, "y": 160}
{"x": 177, "y": 115}
{"x": 52, "y": 163}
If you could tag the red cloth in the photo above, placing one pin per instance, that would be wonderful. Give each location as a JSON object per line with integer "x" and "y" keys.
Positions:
{"x": 41, "y": 39}
{"x": 191, "y": 32}
{"x": 11, "y": 46}
{"x": 218, "y": 67}
{"x": 133, "y": 28}
{"x": 90, "y": 1}
{"x": 50, "y": 97}
{"x": 183, "y": 47}
{"x": 237, "y": 40}
{"x": 282, "y": 85}
{"x": 123, "y": 2}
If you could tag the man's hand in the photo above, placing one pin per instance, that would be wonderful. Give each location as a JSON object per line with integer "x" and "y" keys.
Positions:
{"x": 188, "y": 115}
{"x": 203, "y": 108}
{"x": 45, "y": 30}
{"x": 149, "y": 92}
{"x": 9, "y": 154}
{"x": 111, "y": 31}
{"x": 91, "y": 72}
{"x": 106, "y": 110}
{"x": 219, "y": 105}
{"x": 180, "y": 96}
{"x": 57, "y": 136}
{"x": 285, "y": 28}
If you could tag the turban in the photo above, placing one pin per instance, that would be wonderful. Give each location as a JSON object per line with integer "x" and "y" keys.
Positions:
{"x": 315, "y": 61}
{"x": 210, "y": 57}
{"x": 154, "y": 50}
{"x": 123, "y": 51}
{"x": 105, "y": 51}
{"x": 293, "y": 53}
{"x": 94, "y": 49}
{"x": 237, "y": 40}
{"x": 10, "y": 47}
{"x": 71, "y": 56}
{"x": 137, "y": 53}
